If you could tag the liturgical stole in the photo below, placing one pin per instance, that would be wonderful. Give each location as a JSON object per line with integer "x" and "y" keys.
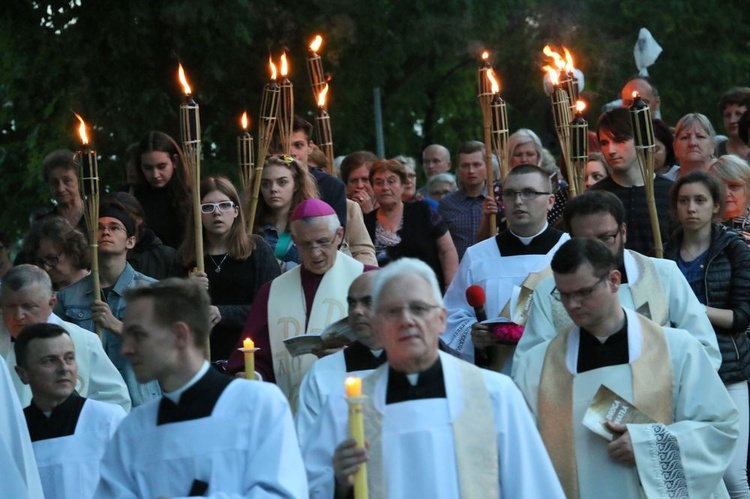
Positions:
{"x": 287, "y": 315}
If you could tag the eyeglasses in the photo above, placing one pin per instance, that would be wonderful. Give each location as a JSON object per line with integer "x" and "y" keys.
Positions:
{"x": 223, "y": 206}
{"x": 112, "y": 228}
{"x": 418, "y": 310}
{"x": 317, "y": 245}
{"x": 609, "y": 239}
{"x": 49, "y": 261}
{"x": 524, "y": 194}
{"x": 411, "y": 176}
{"x": 579, "y": 295}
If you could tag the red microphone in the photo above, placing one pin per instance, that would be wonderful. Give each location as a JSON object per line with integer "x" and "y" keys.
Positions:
{"x": 476, "y": 298}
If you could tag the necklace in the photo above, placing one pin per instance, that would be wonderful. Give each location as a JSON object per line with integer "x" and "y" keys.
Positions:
{"x": 218, "y": 265}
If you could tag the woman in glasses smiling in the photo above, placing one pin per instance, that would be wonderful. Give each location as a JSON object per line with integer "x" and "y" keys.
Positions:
{"x": 236, "y": 264}
{"x": 59, "y": 249}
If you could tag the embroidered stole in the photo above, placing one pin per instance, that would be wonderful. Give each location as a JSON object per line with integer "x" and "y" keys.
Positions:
{"x": 649, "y": 296}
{"x": 473, "y": 436}
{"x": 652, "y": 394}
{"x": 287, "y": 314}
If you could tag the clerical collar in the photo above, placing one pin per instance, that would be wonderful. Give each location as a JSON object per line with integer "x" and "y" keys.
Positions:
{"x": 527, "y": 240}
{"x": 593, "y": 353}
{"x": 175, "y": 395}
{"x": 360, "y": 358}
{"x": 196, "y": 401}
{"x": 430, "y": 384}
{"x": 540, "y": 244}
{"x": 61, "y": 422}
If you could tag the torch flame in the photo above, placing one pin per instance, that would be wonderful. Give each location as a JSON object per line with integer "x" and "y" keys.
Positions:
{"x": 485, "y": 55}
{"x": 569, "y": 67}
{"x": 284, "y": 65}
{"x": 244, "y": 121}
{"x": 494, "y": 84}
{"x": 273, "y": 67}
{"x": 316, "y": 43}
{"x": 82, "y": 130}
{"x": 636, "y": 94}
{"x": 554, "y": 75}
{"x": 322, "y": 96}
{"x": 557, "y": 58}
{"x": 183, "y": 80}
{"x": 580, "y": 106}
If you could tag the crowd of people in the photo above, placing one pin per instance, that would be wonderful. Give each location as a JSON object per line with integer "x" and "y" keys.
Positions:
{"x": 501, "y": 358}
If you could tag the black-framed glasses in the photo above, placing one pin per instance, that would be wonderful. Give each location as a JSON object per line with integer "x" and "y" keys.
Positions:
{"x": 223, "y": 206}
{"x": 524, "y": 194}
{"x": 417, "y": 309}
{"x": 609, "y": 238}
{"x": 579, "y": 295}
{"x": 49, "y": 261}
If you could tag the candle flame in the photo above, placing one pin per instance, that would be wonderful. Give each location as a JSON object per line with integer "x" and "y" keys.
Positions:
{"x": 554, "y": 75}
{"x": 284, "y": 65}
{"x": 273, "y": 68}
{"x": 244, "y": 121}
{"x": 82, "y": 130}
{"x": 316, "y": 43}
{"x": 183, "y": 80}
{"x": 494, "y": 84}
{"x": 485, "y": 55}
{"x": 580, "y": 106}
{"x": 322, "y": 96}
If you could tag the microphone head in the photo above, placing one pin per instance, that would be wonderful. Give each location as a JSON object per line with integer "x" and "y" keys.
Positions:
{"x": 475, "y": 296}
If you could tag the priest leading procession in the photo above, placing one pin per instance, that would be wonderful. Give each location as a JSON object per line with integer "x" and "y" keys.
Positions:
{"x": 560, "y": 313}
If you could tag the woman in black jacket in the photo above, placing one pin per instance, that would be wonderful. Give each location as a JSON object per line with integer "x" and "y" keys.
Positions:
{"x": 716, "y": 263}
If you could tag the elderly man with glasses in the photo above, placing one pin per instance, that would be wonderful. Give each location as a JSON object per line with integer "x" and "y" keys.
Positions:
{"x": 652, "y": 287}
{"x": 436, "y": 426}
{"x": 301, "y": 301}
{"x": 685, "y": 436}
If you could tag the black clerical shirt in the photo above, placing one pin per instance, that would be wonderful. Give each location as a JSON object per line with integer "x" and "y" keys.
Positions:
{"x": 196, "y": 402}
{"x": 592, "y": 354}
{"x": 510, "y": 245}
{"x": 360, "y": 358}
{"x": 61, "y": 422}
{"x": 430, "y": 385}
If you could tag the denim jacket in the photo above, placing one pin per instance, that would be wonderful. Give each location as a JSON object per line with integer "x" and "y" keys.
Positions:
{"x": 74, "y": 305}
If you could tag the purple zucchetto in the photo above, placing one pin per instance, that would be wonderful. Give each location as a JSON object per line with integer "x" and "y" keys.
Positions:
{"x": 310, "y": 208}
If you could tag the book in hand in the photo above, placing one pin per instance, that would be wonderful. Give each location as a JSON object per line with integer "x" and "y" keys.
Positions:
{"x": 609, "y": 406}
{"x": 335, "y": 335}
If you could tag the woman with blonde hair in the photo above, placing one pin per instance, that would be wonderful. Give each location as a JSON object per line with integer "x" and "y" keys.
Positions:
{"x": 284, "y": 184}
{"x": 236, "y": 264}
{"x": 735, "y": 173}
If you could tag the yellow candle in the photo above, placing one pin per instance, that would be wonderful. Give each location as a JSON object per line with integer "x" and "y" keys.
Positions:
{"x": 247, "y": 344}
{"x": 357, "y": 431}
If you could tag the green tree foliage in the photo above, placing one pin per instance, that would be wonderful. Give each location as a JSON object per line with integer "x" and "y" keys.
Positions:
{"x": 115, "y": 64}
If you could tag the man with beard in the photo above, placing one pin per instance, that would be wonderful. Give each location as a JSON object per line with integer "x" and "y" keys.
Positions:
{"x": 652, "y": 287}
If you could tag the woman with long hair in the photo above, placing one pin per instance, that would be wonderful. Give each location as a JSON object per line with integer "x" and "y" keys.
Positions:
{"x": 236, "y": 264}
{"x": 716, "y": 264}
{"x": 163, "y": 186}
{"x": 284, "y": 184}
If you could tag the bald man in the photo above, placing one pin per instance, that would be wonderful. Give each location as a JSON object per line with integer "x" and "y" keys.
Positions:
{"x": 435, "y": 159}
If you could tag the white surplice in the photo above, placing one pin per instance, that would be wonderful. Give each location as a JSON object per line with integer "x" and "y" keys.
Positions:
{"x": 98, "y": 378}
{"x": 418, "y": 445}
{"x": 684, "y": 311}
{"x": 246, "y": 448}
{"x": 499, "y": 276}
{"x": 326, "y": 376}
{"x": 19, "y": 474}
{"x": 69, "y": 466}
{"x": 688, "y": 456}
